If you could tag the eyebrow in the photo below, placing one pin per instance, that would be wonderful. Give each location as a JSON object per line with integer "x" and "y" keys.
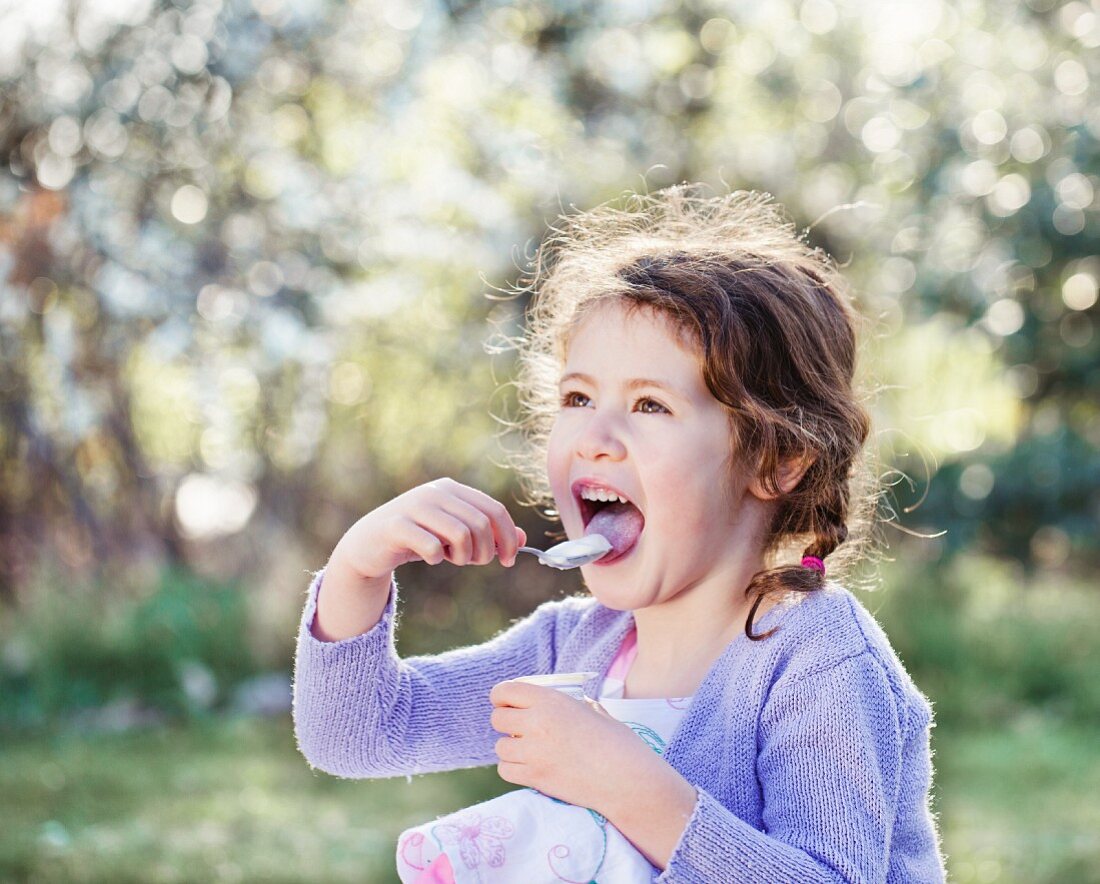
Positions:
{"x": 631, "y": 384}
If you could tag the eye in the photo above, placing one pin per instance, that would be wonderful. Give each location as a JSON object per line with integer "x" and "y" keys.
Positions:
{"x": 653, "y": 402}
{"x": 568, "y": 400}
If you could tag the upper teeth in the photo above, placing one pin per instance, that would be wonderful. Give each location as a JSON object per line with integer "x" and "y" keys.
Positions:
{"x": 602, "y": 494}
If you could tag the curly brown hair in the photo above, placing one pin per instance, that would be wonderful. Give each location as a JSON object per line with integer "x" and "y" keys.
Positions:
{"x": 775, "y": 331}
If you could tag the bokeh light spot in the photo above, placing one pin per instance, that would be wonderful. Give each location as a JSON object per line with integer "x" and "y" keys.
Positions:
{"x": 820, "y": 101}
{"x": 42, "y": 295}
{"x": 1067, "y": 220}
{"x": 1050, "y": 545}
{"x": 962, "y": 430}
{"x": 979, "y": 178}
{"x": 818, "y": 16}
{"x": 1079, "y": 292}
{"x": 880, "y": 135}
{"x": 208, "y": 506}
{"x": 1010, "y": 195}
{"x": 1076, "y": 329}
{"x": 1004, "y": 317}
{"x": 989, "y": 126}
{"x": 188, "y": 54}
{"x": 1028, "y": 145}
{"x": 1075, "y": 191}
{"x": 105, "y": 135}
{"x": 716, "y": 34}
{"x": 189, "y": 204}
{"x": 348, "y": 383}
{"x": 1071, "y": 78}
{"x": 265, "y": 278}
{"x": 976, "y": 481}
{"x": 65, "y": 137}
{"x": 1024, "y": 380}
{"x": 54, "y": 172}
{"x": 403, "y": 15}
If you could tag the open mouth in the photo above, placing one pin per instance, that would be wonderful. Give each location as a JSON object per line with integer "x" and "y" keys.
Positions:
{"x": 610, "y": 513}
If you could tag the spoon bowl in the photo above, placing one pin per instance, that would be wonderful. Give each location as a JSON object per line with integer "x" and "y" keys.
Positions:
{"x": 572, "y": 553}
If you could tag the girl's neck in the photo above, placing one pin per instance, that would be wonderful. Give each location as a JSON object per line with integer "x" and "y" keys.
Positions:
{"x": 687, "y": 634}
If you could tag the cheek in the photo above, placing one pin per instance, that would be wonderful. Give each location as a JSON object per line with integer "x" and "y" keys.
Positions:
{"x": 557, "y": 462}
{"x": 695, "y": 494}
{"x": 685, "y": 496}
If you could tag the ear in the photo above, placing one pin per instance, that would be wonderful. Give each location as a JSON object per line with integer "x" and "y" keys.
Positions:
{"x": 790, "y": 474}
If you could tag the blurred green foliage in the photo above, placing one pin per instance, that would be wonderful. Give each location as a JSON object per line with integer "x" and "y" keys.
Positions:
{"x": 244, "y": 247}
{"x": 990, "y": 646}
{"x": 176, "y": 652}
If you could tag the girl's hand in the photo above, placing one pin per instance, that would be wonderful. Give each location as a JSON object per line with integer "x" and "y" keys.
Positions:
{"x": 438, "y": 521}
{"x": 568, "y": 749}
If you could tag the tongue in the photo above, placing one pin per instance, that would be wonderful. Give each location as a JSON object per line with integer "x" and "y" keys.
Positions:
{"x": 620, "y": 523}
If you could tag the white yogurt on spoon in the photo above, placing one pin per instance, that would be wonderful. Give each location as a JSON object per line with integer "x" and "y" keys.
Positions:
{"x": 572, "y": 553}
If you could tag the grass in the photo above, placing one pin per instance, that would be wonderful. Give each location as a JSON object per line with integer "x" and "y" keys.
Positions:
{"x": 222, "y": 800}
{"x": 1011, "y": 665}
{"x": 1020, "y": 805}
{"x": 232, "y": 800}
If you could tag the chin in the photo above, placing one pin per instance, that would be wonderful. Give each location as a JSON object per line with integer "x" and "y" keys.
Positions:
{"x": 612, "y": 598}
{"x": 614, "y": 606}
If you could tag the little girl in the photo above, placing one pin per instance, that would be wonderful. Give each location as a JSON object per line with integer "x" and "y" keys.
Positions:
{"x": 687, "y": 390}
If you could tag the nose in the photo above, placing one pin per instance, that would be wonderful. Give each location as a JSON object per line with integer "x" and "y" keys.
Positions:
{"x": 601, "y": 438}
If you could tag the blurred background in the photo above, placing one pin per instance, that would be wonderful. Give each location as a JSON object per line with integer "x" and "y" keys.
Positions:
{"x": 251, "y": 262}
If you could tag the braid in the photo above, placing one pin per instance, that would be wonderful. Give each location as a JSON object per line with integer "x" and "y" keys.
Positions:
{"x": 828, "y": 519}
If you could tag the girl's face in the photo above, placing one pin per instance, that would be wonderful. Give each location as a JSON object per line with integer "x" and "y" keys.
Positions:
{"x": 637, "y": 418}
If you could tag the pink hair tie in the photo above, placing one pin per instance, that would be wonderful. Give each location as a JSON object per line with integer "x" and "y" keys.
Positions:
{"x": 813, "y": 562}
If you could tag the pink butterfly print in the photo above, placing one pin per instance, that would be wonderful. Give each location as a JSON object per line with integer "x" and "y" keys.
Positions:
{"x": 477, "y": 838}
{"x": 412, "y": 851}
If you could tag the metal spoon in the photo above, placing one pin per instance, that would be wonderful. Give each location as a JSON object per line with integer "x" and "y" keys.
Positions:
{"x": 572, "y": 553}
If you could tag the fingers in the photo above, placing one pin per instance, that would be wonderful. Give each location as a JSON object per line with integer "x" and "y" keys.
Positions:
{"x": 513, "y": 773}
{"x": 508, "y": 750}
{"x": 517, "y": 694}
{"x": 424, "y": 544}
{"x": 455, "y": 537}
{"x": 490, "y": 528}
{"x": 505, "y": 534}
{"x": 507, "y": 721}
{"x": 482, "y": 540}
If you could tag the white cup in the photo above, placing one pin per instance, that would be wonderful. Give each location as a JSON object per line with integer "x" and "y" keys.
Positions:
{"x": 571, "y": 683}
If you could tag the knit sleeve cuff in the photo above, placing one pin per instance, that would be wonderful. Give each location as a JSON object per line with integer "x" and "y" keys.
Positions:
{"x": 385, "y": 625}
{"x": 715, "y": 845}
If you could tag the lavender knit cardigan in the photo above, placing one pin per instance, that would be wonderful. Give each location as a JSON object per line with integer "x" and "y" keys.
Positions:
{"x": 809, "y": 750}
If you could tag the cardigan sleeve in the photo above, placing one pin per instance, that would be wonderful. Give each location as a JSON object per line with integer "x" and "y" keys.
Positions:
{"x": 361, "y": 711}
{"x": 829, "y": 763}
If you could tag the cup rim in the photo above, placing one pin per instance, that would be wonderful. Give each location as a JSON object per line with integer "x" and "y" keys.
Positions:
{"x": 558, "y": 679}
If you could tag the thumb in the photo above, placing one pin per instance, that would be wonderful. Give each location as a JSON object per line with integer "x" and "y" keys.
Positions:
{"x": 521, "y": 536}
